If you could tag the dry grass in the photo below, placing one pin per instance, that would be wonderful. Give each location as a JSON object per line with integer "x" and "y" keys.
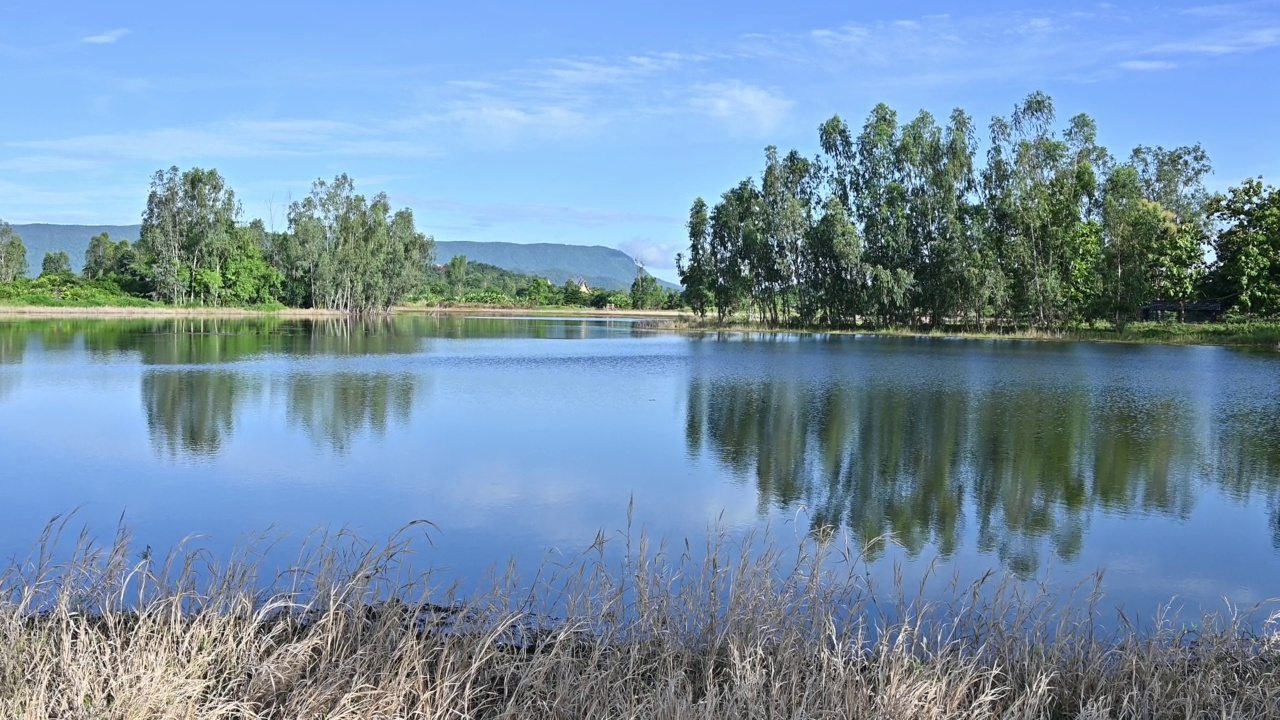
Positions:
{"x": 354, "y": 634}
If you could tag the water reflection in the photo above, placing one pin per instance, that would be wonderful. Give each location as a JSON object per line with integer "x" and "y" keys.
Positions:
{"x": 196, "y": 341}
{"x": 1030, "y": 465}
{"x": 335, "y": 409}
{"x": 191, "y": 413}
{"x": 12, "y": 347}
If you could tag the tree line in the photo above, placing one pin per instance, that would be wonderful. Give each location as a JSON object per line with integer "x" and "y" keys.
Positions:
{"x": 341, "y": 251}
{"x": 476, "y": 283}
{"x": 902, "y": 224}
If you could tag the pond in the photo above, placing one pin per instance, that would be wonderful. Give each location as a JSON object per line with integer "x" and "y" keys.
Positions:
{"x": 525, "y": 438}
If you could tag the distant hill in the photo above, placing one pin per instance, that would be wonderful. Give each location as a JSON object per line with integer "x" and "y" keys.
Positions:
{"x": 600, "y": 267}
{"x": 74, "y": 239}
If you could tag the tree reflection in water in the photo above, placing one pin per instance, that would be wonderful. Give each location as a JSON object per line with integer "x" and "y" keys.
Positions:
{"x": 1026, "y": 466}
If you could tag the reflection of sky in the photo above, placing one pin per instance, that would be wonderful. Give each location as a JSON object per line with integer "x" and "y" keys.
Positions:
{"x": 527, "y": 448}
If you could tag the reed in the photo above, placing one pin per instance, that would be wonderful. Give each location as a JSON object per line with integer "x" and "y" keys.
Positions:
{"x": 729, "y": 630}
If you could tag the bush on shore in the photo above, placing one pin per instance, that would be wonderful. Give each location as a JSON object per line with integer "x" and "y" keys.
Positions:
{"x": 352, "y": 632}
{"x": 66, "y": 290}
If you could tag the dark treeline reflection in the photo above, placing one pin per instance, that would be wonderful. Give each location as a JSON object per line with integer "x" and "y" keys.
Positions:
{"x": 1026, "y": 465}
{"x": 335, "y": 409}
{"x": 214, "y": 340}
{"x": 12, "y": 347}
{"x": 192, "y": 413}
{"x": 210, "y": 341}
{"x": 203, "y": 341}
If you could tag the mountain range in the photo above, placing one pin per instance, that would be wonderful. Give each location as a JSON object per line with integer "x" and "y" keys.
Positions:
{"x": 598, "y": 266}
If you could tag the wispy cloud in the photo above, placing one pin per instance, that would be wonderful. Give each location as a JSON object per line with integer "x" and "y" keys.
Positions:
{"x": 1224, "y": 41}
{"x": 1028, "y": 46}
{"x": 1146, "y": 65}
{"x": 556, "y": 97}
{"x": 745, "y": 108}
{"x": 249, "y": 138}
{"x": 106, "y": 38}
{"x": 38, "y": 164}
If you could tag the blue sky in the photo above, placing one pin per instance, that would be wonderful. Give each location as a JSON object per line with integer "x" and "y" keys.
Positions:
{"x": 580, "y": 122}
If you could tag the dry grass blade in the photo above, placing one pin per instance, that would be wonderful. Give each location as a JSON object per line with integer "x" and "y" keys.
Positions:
{"x": 740, "y": 633}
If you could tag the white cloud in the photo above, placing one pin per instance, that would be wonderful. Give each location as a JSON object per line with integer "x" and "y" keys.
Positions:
{"x": 502, "y": 122}
{"x": 744, "y": 108}
{"x": 1146, "y": 65}
{"x": 1241, "y": 38}
{"x": 246, "y": 138}
{"x": 106, "y": 38}
{"x": 1088, "y": 46}
{"x": 48, "y": 164}
{"x": 654, "y": 255}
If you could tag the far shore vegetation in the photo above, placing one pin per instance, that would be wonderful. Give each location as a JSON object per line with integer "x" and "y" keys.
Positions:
{"x": 896, "y": 227}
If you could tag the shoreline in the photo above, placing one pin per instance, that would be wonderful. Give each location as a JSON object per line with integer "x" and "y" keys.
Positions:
{"x": 160, "y": 312}
{"x": 112, "y": 312}
{"x": 1263, "y": 335}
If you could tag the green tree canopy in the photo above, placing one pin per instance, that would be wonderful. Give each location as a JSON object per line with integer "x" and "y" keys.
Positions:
{"x": 1247, "y": 265}
{"x": 13, "y": 254}
{"x": 646, "y": 293}
{"x": 346, "y": 252}
{"x": 188, "y": 232}
{"x": 55, "y": 263}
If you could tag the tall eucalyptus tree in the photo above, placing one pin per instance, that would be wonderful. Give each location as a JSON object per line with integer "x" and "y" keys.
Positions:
{"x": 13, "y": 254}
{"x": 696, "y": 273}
{"x": 187, "y": 234}
{"x": 344, "y": 252}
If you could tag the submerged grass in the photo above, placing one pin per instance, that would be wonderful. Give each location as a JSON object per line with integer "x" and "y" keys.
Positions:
{"x": 352, "y": 632}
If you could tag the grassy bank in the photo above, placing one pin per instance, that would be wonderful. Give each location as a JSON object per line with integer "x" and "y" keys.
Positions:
{"x": 682, "y": 316}
{"x": 352, "y": 633}
{"x": 66, "y": 291}
{"x": 1258, "y": 334}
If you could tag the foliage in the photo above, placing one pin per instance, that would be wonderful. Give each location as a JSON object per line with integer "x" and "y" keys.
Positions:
{"x": 487, "y": 297}
{"x": 13, "y": 255}
{"x": 695, "y": 272}
{"x": 610, "y": 300}
{"x": 1247, "y": 267}
{"x": 67, "y": 290}
{"x": 343, "y": 252}
{"x": 646, "y": 294}
{"x": 55, "y": 263}
{"x": 116, "y": 261}
{"x": 898, "y": 225}
{"x": 188, "y": 231}
{"x": 456, "y": 273}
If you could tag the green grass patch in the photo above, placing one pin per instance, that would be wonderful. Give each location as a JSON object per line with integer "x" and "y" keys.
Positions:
{"x": 67, "y": 291}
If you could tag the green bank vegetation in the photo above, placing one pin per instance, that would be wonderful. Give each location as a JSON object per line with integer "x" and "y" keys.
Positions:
{"x": 461, "y": 282}
{"x": 353, "y": 632}
{"x": 342, "y": 253}
{"x": 1236, "y": 332}
{"x": 901, "y": 225}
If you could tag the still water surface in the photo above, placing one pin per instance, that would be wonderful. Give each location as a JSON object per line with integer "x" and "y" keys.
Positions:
{"x": 526, "y": 437}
